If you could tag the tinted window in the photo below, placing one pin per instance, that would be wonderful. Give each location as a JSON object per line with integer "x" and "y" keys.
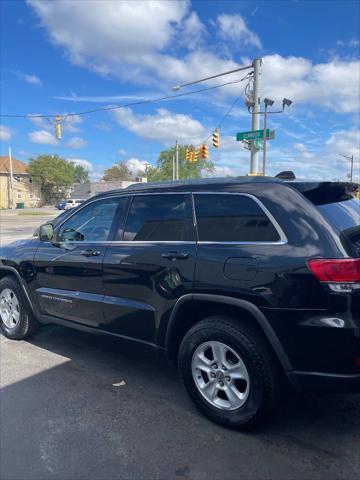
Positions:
{"x": 344, "y": 217}
{"x": 232, "y": 218}
{"x": 91, "y": 223}
{"x": 160, "y": 218}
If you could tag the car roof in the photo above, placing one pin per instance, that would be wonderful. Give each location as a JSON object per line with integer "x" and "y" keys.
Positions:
{"x": 224, "y": 184}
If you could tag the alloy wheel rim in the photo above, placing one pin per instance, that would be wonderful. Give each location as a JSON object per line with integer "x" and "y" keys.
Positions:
{"x": 220, "y": 375}
{"x": 9, "y": 308}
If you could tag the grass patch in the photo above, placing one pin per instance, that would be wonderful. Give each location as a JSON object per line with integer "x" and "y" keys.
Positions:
{"x": 34, "y": 214}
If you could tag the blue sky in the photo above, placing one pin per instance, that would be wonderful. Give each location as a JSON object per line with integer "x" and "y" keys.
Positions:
{"x": 61, "y": 57}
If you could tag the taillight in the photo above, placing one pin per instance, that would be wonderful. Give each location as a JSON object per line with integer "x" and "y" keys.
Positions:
{"x": 344, "y": 270}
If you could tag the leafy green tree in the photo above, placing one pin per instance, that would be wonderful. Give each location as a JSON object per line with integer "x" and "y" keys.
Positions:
{"x": 118, "y": 172}
{"x": 81, "y": 174}
{"x": 55, "y": 174}
{"x": 164, "y": 168}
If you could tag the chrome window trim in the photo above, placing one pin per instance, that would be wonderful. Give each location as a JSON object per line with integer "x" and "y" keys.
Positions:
{"x": 282, "y": 237}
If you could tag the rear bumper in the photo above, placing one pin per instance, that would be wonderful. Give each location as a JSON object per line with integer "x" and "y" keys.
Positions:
{"x": 316, "y": 382}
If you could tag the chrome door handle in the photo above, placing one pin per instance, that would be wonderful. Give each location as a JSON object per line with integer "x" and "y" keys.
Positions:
{"x": 90, "y": 253}
{"x": 175, "y": 255}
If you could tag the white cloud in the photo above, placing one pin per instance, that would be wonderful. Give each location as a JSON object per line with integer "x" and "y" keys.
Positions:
{"x": 163, "y": 126}
{"x": 5, "y": 133}
{"x": 32, "y": 79}
{"x": 76, "y": 142}
{"x": 82, "y": 162}
{"x": 233, "y": 27}
{"x": 43, "y": 137}
{"x": 354, "y": 42}
{"x": 110, "y": 32}
{"x": 331, "y": 85}
{"x": 135, "y": 165}
{"x": 193, "y": 31}
{"x": 131, "y": 40}
{"x": 345, "y": 142}
{"x": 71, "y": 122}
{"x": 121, "y": 152}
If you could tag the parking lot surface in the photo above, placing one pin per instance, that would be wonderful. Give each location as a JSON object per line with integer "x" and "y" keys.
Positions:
{"x": 75, "y": 405}
{"x": 79, "y": 406}
{"x": 19, "y": 224}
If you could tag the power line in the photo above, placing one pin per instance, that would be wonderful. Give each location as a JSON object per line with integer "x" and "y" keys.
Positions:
{"x": 131, "y": 104}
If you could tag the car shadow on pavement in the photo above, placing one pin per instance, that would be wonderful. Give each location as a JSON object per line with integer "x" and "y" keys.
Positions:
{"x": 76, "y": 405}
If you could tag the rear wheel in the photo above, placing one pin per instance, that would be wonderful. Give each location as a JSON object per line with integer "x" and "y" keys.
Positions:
{"x": 16, "y": 319}
{"x": 229, "y": 372}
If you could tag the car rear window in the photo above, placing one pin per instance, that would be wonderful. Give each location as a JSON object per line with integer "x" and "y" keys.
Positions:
{"x": 344, "y": 217}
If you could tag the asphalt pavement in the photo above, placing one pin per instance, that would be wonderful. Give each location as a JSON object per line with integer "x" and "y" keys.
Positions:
{"x": 80, "y": 406}
{"x": 20, "y": 224}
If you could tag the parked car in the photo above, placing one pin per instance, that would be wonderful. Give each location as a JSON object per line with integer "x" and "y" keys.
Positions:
{"x": 242, "y": 283}
{"x": 72, "y": 203}
{"x": 61, "y": 205}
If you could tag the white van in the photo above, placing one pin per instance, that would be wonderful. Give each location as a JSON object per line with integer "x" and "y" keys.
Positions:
{"x": 72, "y": 203}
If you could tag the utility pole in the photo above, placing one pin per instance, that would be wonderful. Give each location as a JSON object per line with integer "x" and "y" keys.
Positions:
{"x": 177, "y": 159}
{"x": 11, "y": 190}
{"x": 173, "y": 167}
{"x": 351, "y": 159}
{"x": 255, "y": 120}
{"x": 265, "y": 140}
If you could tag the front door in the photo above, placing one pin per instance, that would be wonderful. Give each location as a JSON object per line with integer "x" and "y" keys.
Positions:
{"x": 150, "y": 265}
{"x": 69, "y": 276}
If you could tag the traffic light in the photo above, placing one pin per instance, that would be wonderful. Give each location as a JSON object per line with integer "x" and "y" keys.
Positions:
{"x": 194, "y": 156}
{"x": 203, "y": 151}
{"x": 188, "y": 155}
{"x": 216, "y": 138}
{"x": 58, "y": 127}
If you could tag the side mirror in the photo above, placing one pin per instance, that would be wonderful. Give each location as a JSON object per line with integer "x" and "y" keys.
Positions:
{"x": 46, "y": 232}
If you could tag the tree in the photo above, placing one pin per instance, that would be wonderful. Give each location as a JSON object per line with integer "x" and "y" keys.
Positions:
{"x": 164, "y": 168}
{"x": 56, "y": 175}
{"x": 118, "y": 172}
{"x": 81, "y": 174}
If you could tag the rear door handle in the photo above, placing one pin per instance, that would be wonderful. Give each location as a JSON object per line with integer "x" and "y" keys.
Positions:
{"x": 90, "y": 253}
{"x": 175, "y": 255}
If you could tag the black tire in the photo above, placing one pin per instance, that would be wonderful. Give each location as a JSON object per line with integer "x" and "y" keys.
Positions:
{"x": 27, "y": 323}
{"x": 260, "y": 362}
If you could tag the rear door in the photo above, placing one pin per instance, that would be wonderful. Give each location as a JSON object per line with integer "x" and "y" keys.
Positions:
{"x": 150, "y": 265}
{"x": 69, "y": 276}
{"x": 237, "y": 239}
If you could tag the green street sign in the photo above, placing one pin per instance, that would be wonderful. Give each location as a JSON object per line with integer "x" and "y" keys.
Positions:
{"x": 252, "y": 135}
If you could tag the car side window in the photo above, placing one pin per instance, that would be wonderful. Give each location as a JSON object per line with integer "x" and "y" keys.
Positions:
{"x": 232, "y": 218}
{"x": 166, "y": 217}
{"x": 91, "y": 223}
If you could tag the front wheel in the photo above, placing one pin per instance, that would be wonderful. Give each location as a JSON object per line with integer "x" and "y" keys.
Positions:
{"x": 229, "y": 372}
{"x": 16, "y": 319}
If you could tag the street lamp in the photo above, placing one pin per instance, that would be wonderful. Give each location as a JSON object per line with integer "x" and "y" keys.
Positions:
{"x": 269, "y": 103}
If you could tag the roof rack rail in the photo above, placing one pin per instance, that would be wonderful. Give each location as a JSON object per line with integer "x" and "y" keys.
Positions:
{"x": 286, "y": 175}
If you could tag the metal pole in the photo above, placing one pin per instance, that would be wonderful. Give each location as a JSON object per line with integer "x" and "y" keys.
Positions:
{"x": 177, "y": 160}
{"x": 173, "y": 167}
{"x": 265, "y": 140}
{"x": 11, "y": 180}
{"x": 351, "y": 168}
{"x": 255, "y": 121}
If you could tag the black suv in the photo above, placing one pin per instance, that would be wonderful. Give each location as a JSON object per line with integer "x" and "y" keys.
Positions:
{"x": 242, "y": 283}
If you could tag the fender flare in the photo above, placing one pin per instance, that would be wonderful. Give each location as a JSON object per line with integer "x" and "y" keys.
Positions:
{"x": 255, "y": 312}
{"x": 21, "y": 283}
